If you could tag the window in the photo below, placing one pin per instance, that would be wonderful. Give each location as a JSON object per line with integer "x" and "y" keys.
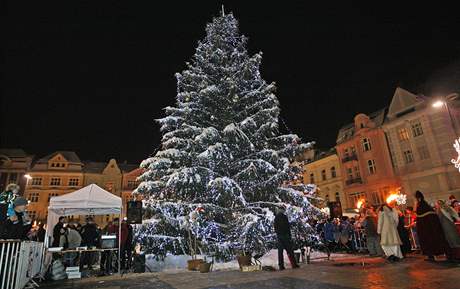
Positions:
{"x": 345, "y": 152}
{"x": 73, "y": 182}
{"x": 132, "y": 184}
{"x": 312, "y": 178}
{"x": 32, "y": 214}
{"x": 55, "y": 182}
{"x": 417, "y": 129}
{"x": 358, "y": 175}
{"x": 353, "y": 150}
{"x": 323, "y": 175}
{"x": 36, "y": 181}
{"x": 376, "y": 198}
{"x": 33, "y": 197}
{"x": 408, "y": 156}
{"x": 337, "y": 197}
{"x": 350, "y": 173}
{"x": 13, "y": 177}
{"x": 424, "y": 153}
{"x": 50, "y": 195}
{"x": 371, "y": 167}
{"x": 333, "y": 172}
{"x": 366, "y": 144}
{"x": 109, "y": 187}
{"x": 403, "y": 134}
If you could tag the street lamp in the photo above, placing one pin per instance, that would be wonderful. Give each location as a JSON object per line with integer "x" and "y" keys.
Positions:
{"x": 28, "y": 177}
{"x": 440, "y": 102}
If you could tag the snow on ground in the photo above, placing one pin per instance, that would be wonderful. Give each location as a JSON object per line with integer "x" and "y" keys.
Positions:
{"x": 177, "y": 263}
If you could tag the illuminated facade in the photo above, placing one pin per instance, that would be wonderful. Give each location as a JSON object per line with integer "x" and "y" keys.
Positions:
{"x": 420, "y": 133}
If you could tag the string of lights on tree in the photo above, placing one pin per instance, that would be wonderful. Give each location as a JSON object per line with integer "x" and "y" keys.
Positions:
{"x": 223, "y": 166}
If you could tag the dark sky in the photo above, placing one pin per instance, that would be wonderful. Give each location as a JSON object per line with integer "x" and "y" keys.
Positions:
{"x": 91, "y": 76}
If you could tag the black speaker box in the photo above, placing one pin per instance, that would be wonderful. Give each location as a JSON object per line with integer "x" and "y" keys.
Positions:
{"x": 134, "y": 213}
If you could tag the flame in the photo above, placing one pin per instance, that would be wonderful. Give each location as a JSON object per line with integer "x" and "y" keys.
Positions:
{"x": 360, "y": 203}
{"x": 392, "y": 198}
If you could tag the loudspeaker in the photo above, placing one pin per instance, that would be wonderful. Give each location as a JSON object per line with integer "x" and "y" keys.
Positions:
{"x": 335, "y": 209}
{"x": 134, "y": 214}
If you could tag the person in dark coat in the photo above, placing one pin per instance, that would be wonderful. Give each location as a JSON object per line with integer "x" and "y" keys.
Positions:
{"x": 57, "y": 231}
{"x": 403, "y": 235}
{"x": 429, "y": 230}
{"x": 90, "y": 238}
{"x": 18, "y": 225}
{"x": 41, "y": 232}
{"x": 283, "y": 233}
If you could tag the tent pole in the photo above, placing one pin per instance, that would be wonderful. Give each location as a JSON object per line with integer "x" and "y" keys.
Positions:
{"x": 119, "y": 240}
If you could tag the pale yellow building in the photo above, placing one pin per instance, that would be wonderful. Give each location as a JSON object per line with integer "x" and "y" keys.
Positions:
{"x": 54, "y": 175}
{"x": 420, "y": 132}
{"x": 324, "y": 171}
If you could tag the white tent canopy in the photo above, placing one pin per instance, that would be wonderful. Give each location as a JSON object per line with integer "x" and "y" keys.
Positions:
{"x": 90, "y": 200}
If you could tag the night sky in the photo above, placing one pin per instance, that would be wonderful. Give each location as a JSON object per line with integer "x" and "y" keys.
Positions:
{"x": 91, "y": 76}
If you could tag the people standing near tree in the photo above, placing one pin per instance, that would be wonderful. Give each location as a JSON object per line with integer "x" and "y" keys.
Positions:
{"x": 372, "y": 237}
{"x": 429, "y": 230}
{"x": 57, "y": 231}
{"x": 283, "y": 233}
{"x": 388, "y": 229}
{"x": 448, "y": 216}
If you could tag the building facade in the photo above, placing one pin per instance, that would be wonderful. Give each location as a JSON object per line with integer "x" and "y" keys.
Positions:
{"x": 324, "y": 171}
{"x": 420, "y": 133}
{"x": 54, "y": 175}
{"x": 14, "y": 164}
{"x": 365, "y": 160}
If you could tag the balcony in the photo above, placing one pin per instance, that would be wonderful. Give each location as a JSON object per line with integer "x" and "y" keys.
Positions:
{"x": 352, "y": 157}
{"x": 350, "y": 182}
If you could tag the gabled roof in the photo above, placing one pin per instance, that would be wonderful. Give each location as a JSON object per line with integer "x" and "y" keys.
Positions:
{"x": 347, "y": 131}
{"x": 70, "y": 156}
{"x": 94, "y": 167}
{"x": 126, "y": 168}
{"x": 13, "y": 153}
{"x": 402, "y": 100}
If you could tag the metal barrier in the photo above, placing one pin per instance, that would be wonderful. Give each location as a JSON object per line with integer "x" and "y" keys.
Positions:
{"x": 20, "y": 261}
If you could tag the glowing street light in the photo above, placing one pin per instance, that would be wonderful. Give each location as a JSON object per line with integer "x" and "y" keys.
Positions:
{"x": 438, "y": 103}
{"x": 28, "y": 177}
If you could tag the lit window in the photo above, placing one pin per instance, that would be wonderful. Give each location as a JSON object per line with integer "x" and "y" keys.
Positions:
{"x": 371, "y": 167}
{"x": 55, "y": 182}
{"x": 403, "y": 134}
{"x": 408, "y": 156}
{"x": 417, "y": 129}
{"x": 33, "y": 197}
{"x": 36, "y": 181}
{"x": 73, "y": 182}
{"x": 323, "y": 175}
{"x": 423, "y": 152}
{"x": 333, "y": 172}
{"x": 366, "y": 144}
{"x": 350, "y": 173}
{"x": 132, "y": 184}
{"x": 358, "y": 175}
{"x": 32, "y": 214}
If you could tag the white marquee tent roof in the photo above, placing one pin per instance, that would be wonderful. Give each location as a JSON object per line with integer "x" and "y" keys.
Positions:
{"x": 90, "y": 200}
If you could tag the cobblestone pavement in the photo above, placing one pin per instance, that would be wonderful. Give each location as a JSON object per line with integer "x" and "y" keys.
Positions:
{"x": 412, "y": 273}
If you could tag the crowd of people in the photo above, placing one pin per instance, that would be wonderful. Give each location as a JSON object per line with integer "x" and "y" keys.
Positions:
{"x": 71, "y": 235}
{"x": 393, "y": 231}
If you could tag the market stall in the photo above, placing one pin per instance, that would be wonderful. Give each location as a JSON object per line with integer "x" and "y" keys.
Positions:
{"x": 90, "y": 200}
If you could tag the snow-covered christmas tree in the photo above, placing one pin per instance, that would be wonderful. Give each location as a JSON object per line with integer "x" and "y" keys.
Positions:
{"x": 223, "y": 166}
